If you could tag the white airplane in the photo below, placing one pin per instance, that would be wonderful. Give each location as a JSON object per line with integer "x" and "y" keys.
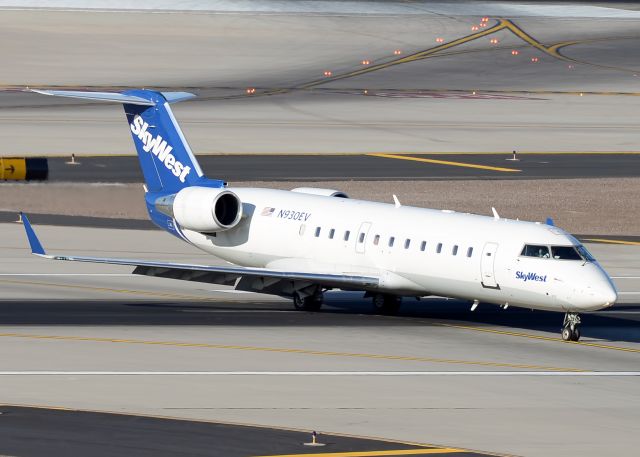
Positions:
{"x": 302, "y": 242}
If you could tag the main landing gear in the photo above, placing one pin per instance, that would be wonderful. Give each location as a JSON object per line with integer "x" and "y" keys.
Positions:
{"x": 386, "y": 304}
{"x": 571, "y": 327}
{"x": 311, "y": 302}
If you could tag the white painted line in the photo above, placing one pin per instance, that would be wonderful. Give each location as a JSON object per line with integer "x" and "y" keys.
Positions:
{"x": 67, "y": 274}
{"x": 321, "y": 373}
{"x": 231, "y": 291}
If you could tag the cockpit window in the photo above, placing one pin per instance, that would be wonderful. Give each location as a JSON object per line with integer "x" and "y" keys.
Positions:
{"x": 565, "y": 253}
{"x": 586, "y": 255}
{"x": 534, "y": 250}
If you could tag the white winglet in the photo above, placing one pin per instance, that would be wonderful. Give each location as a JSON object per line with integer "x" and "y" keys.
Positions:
{"x": 495, "y": 213}
{"x": 396, "y": 201}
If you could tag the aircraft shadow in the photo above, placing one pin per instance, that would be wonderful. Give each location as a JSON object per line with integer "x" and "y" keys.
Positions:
{"x": 341, "y": 309}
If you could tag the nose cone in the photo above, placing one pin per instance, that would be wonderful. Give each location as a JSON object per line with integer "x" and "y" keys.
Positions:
{"x": 598, "y": 296}
{"x": 607, "y": 295}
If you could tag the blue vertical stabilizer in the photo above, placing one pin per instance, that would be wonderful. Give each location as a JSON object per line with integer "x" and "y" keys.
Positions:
{"x": 167, "y": 162}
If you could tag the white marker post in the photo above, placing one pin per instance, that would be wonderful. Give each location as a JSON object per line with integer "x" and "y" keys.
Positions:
{"x": 73, "y": 160}
{"x": 314, "y": 440}
{"x": 514, "y": 158}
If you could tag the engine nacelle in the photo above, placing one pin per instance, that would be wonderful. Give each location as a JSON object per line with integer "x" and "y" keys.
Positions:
{"x": 203, "y": 209}
{"x": 320, "y": 191}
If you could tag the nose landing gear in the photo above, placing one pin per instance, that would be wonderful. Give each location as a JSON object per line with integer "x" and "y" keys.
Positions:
{"x": 571, "y": 327}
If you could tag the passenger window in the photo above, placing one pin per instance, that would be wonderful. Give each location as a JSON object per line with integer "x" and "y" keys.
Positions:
{"x": 565, "y": 253}
{"x": 361, "y": 238}
{"x": 317, "y": 232}
{"x": 439, "y": 248}
{"x": 423, "y": 245}
{"x": 346, "y": 235}
{"x": 407, "y": 243}
{"x": 332, "y": 232}
{"x": 376, "y": 240}
{"x": 469, "y": 252}
{"x": 535, "y": 250}
{"x": 454, "y": 251}
{"x": 391, "y": 241}
{"x": 302, "y": 229}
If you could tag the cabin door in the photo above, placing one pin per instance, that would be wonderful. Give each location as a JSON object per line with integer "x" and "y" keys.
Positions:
{"x": 487, "y": 265}
{"x": 361, "y": 239}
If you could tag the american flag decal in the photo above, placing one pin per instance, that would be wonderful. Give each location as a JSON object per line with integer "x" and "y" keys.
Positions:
{"x": 267, "y": 211}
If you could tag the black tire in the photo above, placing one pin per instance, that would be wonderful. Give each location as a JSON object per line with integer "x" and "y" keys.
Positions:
{"x": 567, "y": 334}
{"x": 313, "y": 304}
{"x": 298, "y": 302}
{"x": 386, "y": 304}
{"x": 310, "y": 303}
{"x": 575, "y": 334}
{"x": 378, "y": 301}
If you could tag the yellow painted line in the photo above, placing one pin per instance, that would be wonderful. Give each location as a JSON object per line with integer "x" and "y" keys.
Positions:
{"x": 603, "y": 240}
{"x": 517, "y": 31}
{"x": 555, "y": 49}
{"x": 405, "y": 59}
{"x": 446, "y": 450}
{"x": 445, "y": 162}
{"x": 503, "y": 24}
{"x": 539, "y": 337}
{"x": 286, "y": 350}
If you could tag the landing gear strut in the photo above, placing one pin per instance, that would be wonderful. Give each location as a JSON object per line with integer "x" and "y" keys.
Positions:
{"x": 571, "y": 327}
{"x": 386, "y": 304}
{"x": 311, "y": 302}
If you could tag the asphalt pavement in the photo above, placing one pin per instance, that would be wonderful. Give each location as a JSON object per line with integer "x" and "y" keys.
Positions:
{"x": 259, "y": 167}
{"x": 32, "y": 432}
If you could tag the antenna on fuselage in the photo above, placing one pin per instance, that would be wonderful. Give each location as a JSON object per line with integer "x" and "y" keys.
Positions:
{"x": 495, "y": 213}
{"x": 396, "y": 201}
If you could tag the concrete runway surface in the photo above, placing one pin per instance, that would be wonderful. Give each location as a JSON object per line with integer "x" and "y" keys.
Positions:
{"x": 464, "y": 93}
{"x": 435, "y": 374}
{"x": 403, "y": 78}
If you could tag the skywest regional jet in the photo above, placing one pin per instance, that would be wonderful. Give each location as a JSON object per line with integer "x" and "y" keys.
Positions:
{"x": 302, "y": 242}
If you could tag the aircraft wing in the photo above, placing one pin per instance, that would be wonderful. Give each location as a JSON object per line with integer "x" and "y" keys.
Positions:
{"x": 255, "y": 279}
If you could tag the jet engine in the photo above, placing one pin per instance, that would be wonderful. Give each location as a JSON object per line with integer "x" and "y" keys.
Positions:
{"x": 203, "y": 209}
{"x": 320, "y": 191}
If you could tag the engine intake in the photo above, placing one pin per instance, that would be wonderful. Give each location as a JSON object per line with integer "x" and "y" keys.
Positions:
{"x": 203, "y": 209}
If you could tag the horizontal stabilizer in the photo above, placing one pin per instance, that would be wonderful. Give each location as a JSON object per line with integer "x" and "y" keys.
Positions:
{"x": 97, "y": 96}
{"x": 170, "y": 97}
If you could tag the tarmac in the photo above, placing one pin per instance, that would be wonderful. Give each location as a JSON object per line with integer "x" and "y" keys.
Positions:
{"x": 277, "y": 89}
{"x": 359, "y": 167}
{"x": 93, "y": 337}
{"x": 461, "y": 94}
{"x": 43, "y": 432}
